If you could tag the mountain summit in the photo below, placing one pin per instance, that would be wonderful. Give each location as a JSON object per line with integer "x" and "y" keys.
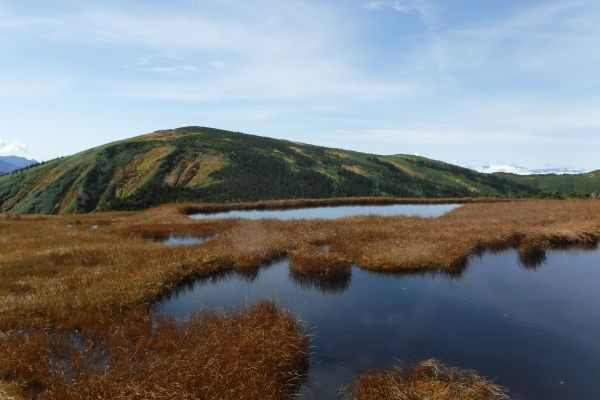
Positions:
{"x": 211, "y": 165}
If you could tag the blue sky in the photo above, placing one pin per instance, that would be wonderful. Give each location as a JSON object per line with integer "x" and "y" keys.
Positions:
{"x": 472, "y": 82}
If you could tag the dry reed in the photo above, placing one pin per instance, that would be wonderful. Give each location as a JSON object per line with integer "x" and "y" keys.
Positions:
{"x": 428, "y": 380}
{"x": 257, "y": 354}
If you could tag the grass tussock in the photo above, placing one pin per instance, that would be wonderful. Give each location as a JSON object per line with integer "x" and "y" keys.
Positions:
{"x": 307, "y": 260}
{"x": 259, "y": 353}
{"x": 428, "y": 380}
{"x": 312, "y": 267}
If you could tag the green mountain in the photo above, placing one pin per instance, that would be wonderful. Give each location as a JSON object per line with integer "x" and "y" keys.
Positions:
{"x": 558, "y": 183}
{"x": 211, "y": 165}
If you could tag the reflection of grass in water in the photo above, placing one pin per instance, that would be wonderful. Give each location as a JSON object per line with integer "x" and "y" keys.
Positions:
{"x": 312, "y": 268}
{"x": 248, "y": 274}
{"x": 327, "y": 282}
{"x": 429, "y": 380}
{"x": 532, "y": 258}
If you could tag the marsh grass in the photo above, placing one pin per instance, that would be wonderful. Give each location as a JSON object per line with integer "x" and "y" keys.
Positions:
{"x": 259, "y": 353}
{"x": 56, "y": 269}
{"x": 59, "y": 275}
{"x": 428, "y": 380}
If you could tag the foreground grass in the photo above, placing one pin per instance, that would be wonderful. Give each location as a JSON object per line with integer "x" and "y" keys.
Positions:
{"x": 84, "y": 273}
{"x": 257, "y": 354}
{"x": 428, "y": 380}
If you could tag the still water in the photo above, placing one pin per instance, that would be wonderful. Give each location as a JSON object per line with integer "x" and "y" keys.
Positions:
{"x": 333, "y": 212}
{"x": 533, "y": 328}
{"x": 186, "y": 240}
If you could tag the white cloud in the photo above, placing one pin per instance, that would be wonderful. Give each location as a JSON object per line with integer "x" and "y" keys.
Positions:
{"x": 12, "y": 148}
{"x": 518, "y": 170}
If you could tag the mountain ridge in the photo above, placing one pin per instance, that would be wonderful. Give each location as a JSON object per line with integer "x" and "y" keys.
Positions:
{"x": 212, "y": 165}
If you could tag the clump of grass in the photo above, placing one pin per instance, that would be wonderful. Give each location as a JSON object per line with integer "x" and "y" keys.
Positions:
{"x": 259, "y": 353}
{"x": 428, "y": 380}
{"x": 312, "y": 268}
{"x": 309, "y": 259}
{"x": 8, "y": 391}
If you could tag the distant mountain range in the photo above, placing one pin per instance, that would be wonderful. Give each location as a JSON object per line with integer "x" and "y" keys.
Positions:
{"x": 9, "y": 164}
{"x": 212, "y": 165}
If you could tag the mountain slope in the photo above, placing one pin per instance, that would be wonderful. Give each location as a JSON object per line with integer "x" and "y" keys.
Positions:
{"x": 9, "y": 164}
{"x": 204, "y": 164}
{"x": 562, "y": 183}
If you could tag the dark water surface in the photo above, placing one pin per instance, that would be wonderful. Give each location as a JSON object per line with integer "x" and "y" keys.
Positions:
{"x": 333, "y": 212}
{"x": 535, "y": 330}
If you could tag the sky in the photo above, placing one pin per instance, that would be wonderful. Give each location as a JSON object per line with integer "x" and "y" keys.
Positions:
{"x": 478, "y": 83}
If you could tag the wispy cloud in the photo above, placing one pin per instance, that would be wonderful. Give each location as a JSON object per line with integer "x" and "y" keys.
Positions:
{"x": 285, "y": 50}
{"x": 425, "y": 73}
{"x": 427, "y": 10}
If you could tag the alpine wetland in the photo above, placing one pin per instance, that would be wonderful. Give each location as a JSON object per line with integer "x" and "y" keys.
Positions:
{"x": 418, "y": 219}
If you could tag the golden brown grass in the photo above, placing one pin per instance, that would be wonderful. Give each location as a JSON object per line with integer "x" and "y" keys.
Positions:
{"x": 54, "y": 268}
{"x": 195, "y": 171}
{"x": 428, "y": 380}
{"x": 8, "y": 391}
{"x": 59, "y": 274}
{"x": 135, "y": 174}
{"x": 257, "y": 354}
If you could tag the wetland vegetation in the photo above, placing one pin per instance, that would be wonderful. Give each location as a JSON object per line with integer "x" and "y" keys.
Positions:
{"x": 62, "y": 279}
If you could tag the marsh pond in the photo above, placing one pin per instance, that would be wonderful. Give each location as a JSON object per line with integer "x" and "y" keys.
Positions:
{"x": 532, "y": 325}
{"x": 333, "y": 212}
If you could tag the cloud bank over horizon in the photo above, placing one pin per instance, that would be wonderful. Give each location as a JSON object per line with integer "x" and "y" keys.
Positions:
{"x": 491, "y": 83}
{"x": 12, "y": 148}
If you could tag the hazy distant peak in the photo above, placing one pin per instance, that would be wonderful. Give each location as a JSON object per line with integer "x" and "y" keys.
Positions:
{"x": 12, "y": 163}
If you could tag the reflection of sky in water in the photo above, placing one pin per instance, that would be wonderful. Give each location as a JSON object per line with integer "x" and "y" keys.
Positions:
{"x": 419, "y": 210}
{"x": 528, "y": 328}
{"x": 186, "y": 240}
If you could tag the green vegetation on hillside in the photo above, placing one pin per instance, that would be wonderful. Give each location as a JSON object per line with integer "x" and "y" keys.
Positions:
{"x": 210, "y": 165}
{"x": 560, "y": 185}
